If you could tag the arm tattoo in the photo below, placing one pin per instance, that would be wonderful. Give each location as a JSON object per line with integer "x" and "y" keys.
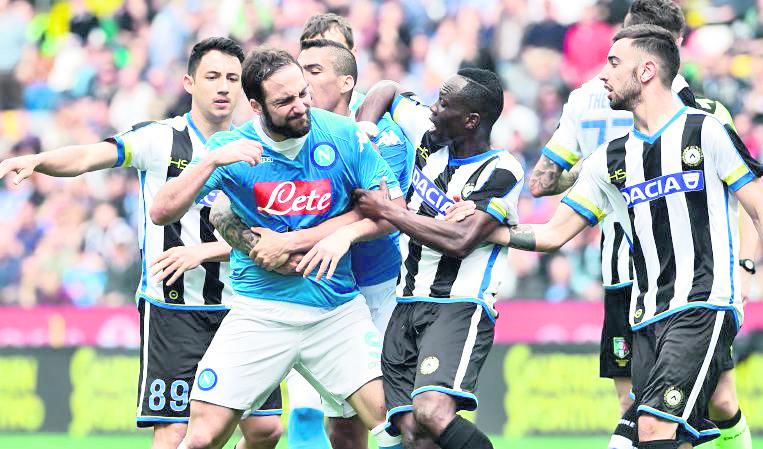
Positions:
{"x": 231, "y": 227}
{"x": 548, "y": 178}
{"x": 522, "y": 237}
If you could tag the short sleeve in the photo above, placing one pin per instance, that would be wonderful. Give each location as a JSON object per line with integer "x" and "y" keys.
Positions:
{"x": 498, "y": 195}
{"x": 215, "y": 180}
{"x": 411, "y": 115}
{"x": 563, "y": 148}
{"x": 370, "y": 167}
{"x": 134, "y": 145}
{"x": 396, "y": 150}
{"x": 588, "y": 196}
{"x": 727, "y": 153}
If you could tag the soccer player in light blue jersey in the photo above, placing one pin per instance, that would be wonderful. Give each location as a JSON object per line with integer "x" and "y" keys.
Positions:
{"x": 291, "y": 167}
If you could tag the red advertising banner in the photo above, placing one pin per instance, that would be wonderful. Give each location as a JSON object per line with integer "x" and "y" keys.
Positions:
{"x": 118, "y": 327}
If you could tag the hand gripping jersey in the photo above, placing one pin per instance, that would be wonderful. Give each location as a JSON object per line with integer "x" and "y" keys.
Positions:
{"x": 673, "y": 194}
{"x": 298, "y": 184}
{"x": 492, "y": 180}
{"x": 160, "y": 151}
{"x": 587, "y": 121}
{"x": 377, "y": 261}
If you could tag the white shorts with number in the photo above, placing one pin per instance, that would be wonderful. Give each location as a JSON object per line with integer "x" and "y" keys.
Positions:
{"x": 259, "y": 341}
{"x": 381, "y": 300}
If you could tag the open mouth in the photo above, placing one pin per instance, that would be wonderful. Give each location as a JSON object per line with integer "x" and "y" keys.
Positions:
{"x": 221, "y": 102}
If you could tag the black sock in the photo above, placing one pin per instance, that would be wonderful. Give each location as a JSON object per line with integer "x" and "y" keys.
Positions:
{"x": 461, "y": 434}
{"x": 658, "y": 444}
{"x": 626, "y": 427}
{"x": 731, "y": 422}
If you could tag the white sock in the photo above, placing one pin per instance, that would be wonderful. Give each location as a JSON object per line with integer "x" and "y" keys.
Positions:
{"x": 620, "y": 442}
{"x": 182, "y": 445}
{"x": 384, "y": 440}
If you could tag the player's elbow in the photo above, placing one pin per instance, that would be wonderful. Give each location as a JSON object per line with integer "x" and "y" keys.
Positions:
{"x": 160, "y": 216}
{"x": 535, "y": 189}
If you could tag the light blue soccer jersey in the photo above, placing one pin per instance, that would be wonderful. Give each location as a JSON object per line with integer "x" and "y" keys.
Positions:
{"x": 290, "y": 190}
{"x": 377, "y": 261}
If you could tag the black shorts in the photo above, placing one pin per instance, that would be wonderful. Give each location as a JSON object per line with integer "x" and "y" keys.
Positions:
{"x": 676, "y": 365}
{"x": 616, "y": 335}
{"x": 434, "y": 347}
{"x": 172, "y": 341}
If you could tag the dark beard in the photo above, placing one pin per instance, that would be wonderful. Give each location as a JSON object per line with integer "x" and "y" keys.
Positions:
{"x": 630, "y": 97}
{"x": 285, "y": 130}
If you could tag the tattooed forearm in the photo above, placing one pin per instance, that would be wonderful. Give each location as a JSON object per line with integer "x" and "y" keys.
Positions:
{"x": 548, "y": 178}
{"x": 231, "y": 227}
{"x": 522, "y": 237}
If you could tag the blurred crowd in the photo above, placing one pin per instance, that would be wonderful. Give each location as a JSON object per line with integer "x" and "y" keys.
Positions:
{"x": 75, "y": 72}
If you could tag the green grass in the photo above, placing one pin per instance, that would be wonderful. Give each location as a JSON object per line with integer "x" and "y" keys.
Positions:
{"x": 59, "y": 441}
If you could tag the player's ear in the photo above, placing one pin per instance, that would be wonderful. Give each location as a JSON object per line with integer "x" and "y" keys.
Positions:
{"x": 647, "y": 70}
{"x": 472, "y": 120}
{"x": 188, "y": 83}
{"x": 256, "y": 107}
{"x": 347, "y": 84}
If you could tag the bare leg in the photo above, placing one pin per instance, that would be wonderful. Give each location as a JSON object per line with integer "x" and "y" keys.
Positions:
{"x": 168, "y": 435}
{"x": 210, "y": 425}
{"x": 260, "y": 432}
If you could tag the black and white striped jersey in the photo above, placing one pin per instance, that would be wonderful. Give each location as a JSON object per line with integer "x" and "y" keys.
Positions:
{"x": 493, "y": 180}
{"x": 673, "y": 194}
{"x": 161, "y": 150}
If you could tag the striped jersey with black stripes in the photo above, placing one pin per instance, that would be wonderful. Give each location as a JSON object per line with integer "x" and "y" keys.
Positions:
{"x": 673, "y": 195}
{"x": 160, "y": 151}
{"x": 492, "y": 180}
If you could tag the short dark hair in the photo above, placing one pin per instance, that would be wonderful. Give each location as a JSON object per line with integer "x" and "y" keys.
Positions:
{"x": 319, "y": 24}
{"x": 344, "y": 60}
{"x": 658, "y": 42}
{"x": 663, "y": 13}
{"x": 483, "y": 94}
{"x": 221, "y": 44}
{"x": 260, "y": 64}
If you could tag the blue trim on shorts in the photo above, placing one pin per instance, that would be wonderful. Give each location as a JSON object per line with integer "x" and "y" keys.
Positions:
{"x": 691, "y": 305}
{"x": 449, "y": 392}
{"x": 399, "y": 409}
{"x": 668, "y": 417}
{"x": 164, "y": 305}
{"x": 618, "y": 286}
{"x": 270, "y": 412}
{"x": 485, "y": 307}
{"x": 160, "y": 419}
{"x": 488, "y": 271}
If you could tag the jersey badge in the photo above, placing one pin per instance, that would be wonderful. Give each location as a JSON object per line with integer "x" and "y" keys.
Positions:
{"x": 673, "y": 397}
{"x": 207, "y": 379}
{"x": 323, "y": 155}
{"x": 620, "y": 347}
{"x": 467, "y": 190}
{"x": 692, "y": 156}
{"x": 423, "y": 152}
{"x": 429, "y": 365}
{"x": 617, "y": 176}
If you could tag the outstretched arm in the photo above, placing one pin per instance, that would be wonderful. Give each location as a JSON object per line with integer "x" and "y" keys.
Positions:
{"x": 62, "y": 162}
{"x": 548, "y": 178}
{"x": 378, "y": 101}
{"x": 178, "y": 194}
{"x": 564, "y": 225}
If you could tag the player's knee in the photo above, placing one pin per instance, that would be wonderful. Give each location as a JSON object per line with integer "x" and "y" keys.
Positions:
{"x": 168, "y": 435}
{"x": 265, "y": 433}
{"x": 433, "y": 411}
{"x": 723, "y": 405}
{"x": 652, "y": 428}
{"x": 199, "y": 439}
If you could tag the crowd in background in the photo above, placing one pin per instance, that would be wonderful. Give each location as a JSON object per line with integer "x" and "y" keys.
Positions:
{"x": 75, "y": 72}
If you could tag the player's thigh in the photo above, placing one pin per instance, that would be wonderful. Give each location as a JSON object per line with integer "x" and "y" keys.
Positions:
{"x": 247, "y": 359}
{"x": 615, "y": 352}
{"x": 341, "y": 352}
{"x": 452, "y": 351}
{"x": 683, "y": 377}
{"x": 399, "y": 361}
{"x": 173, "y": 340}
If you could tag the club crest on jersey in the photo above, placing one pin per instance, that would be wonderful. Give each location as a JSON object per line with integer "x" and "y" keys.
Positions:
{"x": 620, "y": 347}
{"x": 467, "y": 190}
{"x": 209, "y": 199}
{"x": 293, "y": 197}
{"x": 429, "y": 192}
{"x": 323, "y": 155}
{"x": 673, "y": 397}
{"x": 688, "y": 181}
{"x": 429, "y": 365}
{"x": 207, "y": 379}
{"x": 692, "y": 156}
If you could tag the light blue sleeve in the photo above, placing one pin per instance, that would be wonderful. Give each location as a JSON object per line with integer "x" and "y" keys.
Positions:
{"x": 215, "y": 180}
{"x": 396, "y": 150}
{"x": 369, "y": 167}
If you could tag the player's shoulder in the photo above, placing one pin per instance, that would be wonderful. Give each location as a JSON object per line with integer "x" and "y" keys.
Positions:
{"x": 508, "y": 161}
{"x": 338, "y": 129}
{"x": 390, "y": 132}
{"x": 221, "y": 138}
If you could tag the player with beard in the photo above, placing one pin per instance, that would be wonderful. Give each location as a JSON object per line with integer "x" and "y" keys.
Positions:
{"x": 669, "y": 183}
{"x": 291, "y": 167}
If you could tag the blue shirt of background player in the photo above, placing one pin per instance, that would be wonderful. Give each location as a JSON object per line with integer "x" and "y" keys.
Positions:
{"x": 377, "y": 261}
{"x": 335, "y": 158}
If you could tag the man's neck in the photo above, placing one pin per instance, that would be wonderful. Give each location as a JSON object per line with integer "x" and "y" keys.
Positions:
{"x": 654, "y": 111}
{"x": 206, "y": 127}
{"x": 469, "y": 146}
